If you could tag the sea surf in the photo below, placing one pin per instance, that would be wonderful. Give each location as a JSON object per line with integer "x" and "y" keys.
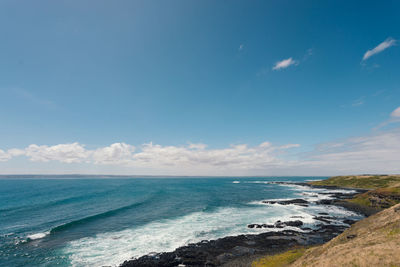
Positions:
{"x": 94, "y": 222}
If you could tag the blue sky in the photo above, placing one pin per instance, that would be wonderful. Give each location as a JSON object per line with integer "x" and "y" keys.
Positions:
{"x": 178, "y": 73}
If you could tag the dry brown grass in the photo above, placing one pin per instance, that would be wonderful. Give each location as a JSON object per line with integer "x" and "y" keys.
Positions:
{"x": 374, "y": 241}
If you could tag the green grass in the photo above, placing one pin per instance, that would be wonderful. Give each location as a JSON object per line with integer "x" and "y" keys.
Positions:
{"x": 280, "y": 260}
{"x": 384, "y": 189}
{"x": 362, "y": 200}
{"x": 394, "y": 232}
{"x": 379, "y": 198}
{"x": 389, "y": 190}
{"x": 366, "y": 182}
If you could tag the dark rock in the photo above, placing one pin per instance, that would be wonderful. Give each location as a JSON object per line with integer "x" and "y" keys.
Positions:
{"x": 294, "y": 223}
{"x": 326, "y": 219}
{"x": 224, "y": 257}
{"x": 268, "y": 225}
{"x": 297, "y": 201}
{"x": 278, "y": 224}
{"x": 224, "y": 250}
{"x": 158, "y": 260}
{"x": 239, "y": 250}
{"x": 325, "y": 202}
{"x": 323, "y": 213}
{"x": 351, "y": 236}
{"x": 349, "y": 222}
{"x": 361, "y": 209}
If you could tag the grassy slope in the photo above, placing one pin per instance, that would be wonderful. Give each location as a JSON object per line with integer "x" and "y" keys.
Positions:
{"x": 376, "y": 239}
{"x": 384, "y": 193}
{"x": 282, "y": 259}
{"x": 362, "y": 181}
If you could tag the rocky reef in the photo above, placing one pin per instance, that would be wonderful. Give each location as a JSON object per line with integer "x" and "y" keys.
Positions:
{"x": 222, "y": 251}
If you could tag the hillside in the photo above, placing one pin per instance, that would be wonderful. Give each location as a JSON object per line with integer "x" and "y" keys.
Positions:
{"x": 384, "y": 189}
{"x": 361, "y": 181}
{"x": 373, "y": 241}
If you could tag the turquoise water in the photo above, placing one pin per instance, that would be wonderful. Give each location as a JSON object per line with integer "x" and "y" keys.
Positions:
{"x": 94, "y": 222}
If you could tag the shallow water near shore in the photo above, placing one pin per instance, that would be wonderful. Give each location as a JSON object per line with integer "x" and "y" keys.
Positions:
{"x": 94, "y": 222}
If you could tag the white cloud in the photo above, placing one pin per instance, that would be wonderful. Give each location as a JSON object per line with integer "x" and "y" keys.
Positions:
{"x": 236, "y": 156}
{"x": 67, "y": 153}
{"x": 377, "y": 153}
{"x": 197, "y": 146}
{"x": 4, "y": 156}
{"x": 289, "y": 146}
{"x": 241, "y": 47}
{"x": 189, "y": 158}
{"x": 396, "y": 113}
{"x": 14, "y": 152}
{"x": 394, "y": 117}
{"x": 382, "y": 46}
{"x": 116, "y": 153}
{"x": 283, "y": 64}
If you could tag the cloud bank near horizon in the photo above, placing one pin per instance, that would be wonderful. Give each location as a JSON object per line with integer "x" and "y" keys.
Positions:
{"x": 378, "y": 153}
{"x": 156, "y": 156}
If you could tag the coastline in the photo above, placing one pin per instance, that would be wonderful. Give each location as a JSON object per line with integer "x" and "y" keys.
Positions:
{"x": 241, "y": 250}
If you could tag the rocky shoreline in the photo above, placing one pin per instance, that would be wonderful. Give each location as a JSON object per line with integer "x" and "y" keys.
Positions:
{"x": 225, "y": 251}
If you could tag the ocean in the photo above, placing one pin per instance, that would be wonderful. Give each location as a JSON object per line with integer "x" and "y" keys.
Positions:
{"x": 74, "y": 221}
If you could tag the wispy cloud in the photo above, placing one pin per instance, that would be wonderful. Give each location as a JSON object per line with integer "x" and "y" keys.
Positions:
{"x": 29, "y": 96}
{"x": 358, "y": 102}
{"x": 241, "y": 47}
{"x": 396, "y": 114}
{"x": 394, "y": 117}
{"x": 283, "y": 64}
{"x": 377, "y": 153}
{"x": 308, "y": 54}
{"x": 379, "y": 48}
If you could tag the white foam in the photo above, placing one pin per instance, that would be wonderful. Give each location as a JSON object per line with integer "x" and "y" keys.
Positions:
{"x": 37, "y": 236}
{"x": 348, "y": 191}
{"x": 313, "y": 193}
{"x": 236, "y": 182}
{"x": 296, "y": 186}
{"x": 114, "y": 247}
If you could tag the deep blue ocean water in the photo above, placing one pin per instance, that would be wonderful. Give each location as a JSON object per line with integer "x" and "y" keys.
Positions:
{"x": 95, "y": 222}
